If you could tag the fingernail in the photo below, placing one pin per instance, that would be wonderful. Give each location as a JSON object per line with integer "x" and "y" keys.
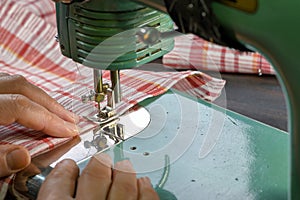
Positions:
{"x": 73, "y": 130}
{"x": 104, "y": 159}
{"x": 75, "y": 117}
{"x": 64, "y": 129}
{"x": 124, "y": 165}
{"x": 66, "y": 114}
{"x": 145, "y": 181}
{"x": 125, "y": 158}
{"x": 72, "y": 117}
{"x": 17, "y": 159}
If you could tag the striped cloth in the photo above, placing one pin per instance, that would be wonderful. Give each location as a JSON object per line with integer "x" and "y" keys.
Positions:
{"x": 192, "y": 52}
{"x": 28, "y": 47}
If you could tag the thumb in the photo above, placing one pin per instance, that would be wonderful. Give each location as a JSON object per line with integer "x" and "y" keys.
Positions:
{"x": 13, "y": 158}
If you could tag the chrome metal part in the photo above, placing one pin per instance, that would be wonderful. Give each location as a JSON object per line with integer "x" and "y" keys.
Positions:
{"x": 128, "y": 125}
{"x": 88, "y": 97}
{"x": 111, "y": 99}
{"x": 102, "y": 90}
{"x": 97, "y": 80}
{"x": 151, "y": 36}
{"x": 116, "y": 85}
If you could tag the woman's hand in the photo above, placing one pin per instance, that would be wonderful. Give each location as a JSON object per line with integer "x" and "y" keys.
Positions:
{"x": 99, "y": 180}
{"x": 26, "y": 104}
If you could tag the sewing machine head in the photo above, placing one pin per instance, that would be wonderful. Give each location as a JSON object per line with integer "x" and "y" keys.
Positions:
{"x": 116, "y": 35}
{"x": 103, "y": 35}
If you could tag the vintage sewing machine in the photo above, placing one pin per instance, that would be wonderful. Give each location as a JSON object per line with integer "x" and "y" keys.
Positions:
{"x": 223, "y": 155}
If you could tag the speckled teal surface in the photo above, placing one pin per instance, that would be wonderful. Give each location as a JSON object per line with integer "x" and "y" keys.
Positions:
{"x": 246, "y": 160}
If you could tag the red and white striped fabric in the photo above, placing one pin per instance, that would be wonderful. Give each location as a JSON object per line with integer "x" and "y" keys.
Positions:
{"x": 192, "y": 52}
{"x": 28, "y": 47}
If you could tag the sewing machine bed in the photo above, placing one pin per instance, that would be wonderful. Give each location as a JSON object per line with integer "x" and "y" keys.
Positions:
{"x": 223, "y": 156}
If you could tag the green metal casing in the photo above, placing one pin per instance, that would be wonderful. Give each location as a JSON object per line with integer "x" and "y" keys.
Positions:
{"x": 273, "y": 30}
{"x": 102, "y": 34}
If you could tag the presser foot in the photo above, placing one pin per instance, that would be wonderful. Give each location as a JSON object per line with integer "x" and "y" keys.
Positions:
{"x": 116, "y": 128}
{"x": 103, "y": 117}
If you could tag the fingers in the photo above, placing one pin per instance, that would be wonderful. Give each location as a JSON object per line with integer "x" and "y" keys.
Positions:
{"x": 95, "y": 180}
{"x": 18, "y": 108}
{"x": 124, "y": 184}
{"x": 61, "y": 182}
{"x": 13, "y": 158}
{"x": 146, "y": 191}
{"x": 17, "y": 84}
{"x": 98, "y": 182}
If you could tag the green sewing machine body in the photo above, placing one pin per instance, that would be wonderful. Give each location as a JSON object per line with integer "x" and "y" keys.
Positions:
{"x": 272, "y": 30}
{"x": 250, "y": 160}
{"x": 103, "y": 35}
